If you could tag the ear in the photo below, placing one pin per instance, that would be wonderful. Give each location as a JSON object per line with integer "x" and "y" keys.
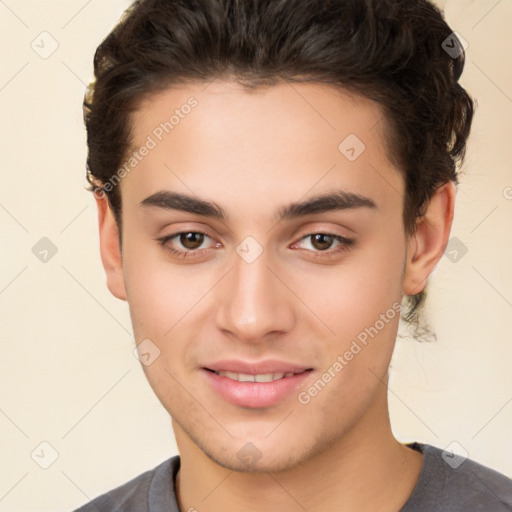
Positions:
{"x": 109, "y": 247}
{"x": 427, "y": 245}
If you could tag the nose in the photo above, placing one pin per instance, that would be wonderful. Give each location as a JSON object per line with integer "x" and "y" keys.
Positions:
{"x": 253, "y": 301}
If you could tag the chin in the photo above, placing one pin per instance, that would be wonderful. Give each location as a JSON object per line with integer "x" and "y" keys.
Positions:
{"x": 276, "y": 464}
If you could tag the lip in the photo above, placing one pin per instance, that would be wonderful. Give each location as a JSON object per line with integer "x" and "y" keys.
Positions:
{"x": 255, "y": 394}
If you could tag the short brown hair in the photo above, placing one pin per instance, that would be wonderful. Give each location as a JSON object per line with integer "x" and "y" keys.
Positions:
{"x": 399, "y": 53}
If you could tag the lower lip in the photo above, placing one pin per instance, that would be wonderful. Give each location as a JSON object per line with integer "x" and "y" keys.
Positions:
{"x": 255, "y": 394}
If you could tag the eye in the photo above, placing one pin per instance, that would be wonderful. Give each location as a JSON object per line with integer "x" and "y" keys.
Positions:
{"x": 322, "y": 242}
{"x": 191, "y": 241}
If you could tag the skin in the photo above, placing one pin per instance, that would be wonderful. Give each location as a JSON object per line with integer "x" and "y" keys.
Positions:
{"x": 252, "y": 153}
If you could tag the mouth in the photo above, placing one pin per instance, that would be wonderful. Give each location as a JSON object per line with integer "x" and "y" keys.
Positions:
{"x": 255, "y": 390}
{"x": 259, "y": 377}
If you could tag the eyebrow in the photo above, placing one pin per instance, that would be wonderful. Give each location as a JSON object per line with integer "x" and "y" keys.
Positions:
{"x": 334, "y": 201}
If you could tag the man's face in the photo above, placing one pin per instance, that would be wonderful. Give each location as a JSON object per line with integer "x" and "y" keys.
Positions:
{"x": 255, "y": 287}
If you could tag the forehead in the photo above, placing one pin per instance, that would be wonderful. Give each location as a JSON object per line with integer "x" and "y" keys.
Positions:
{"x": 275, "y": 141}
{"x": 306, "y": 110}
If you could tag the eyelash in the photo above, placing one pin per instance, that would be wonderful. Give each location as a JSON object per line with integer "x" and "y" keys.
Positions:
{"x": 345, "y": 245}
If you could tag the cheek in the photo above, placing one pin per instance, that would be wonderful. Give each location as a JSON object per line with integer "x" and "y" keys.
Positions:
{"x": 159, "y": 292}
{"x": 169, "y": 305}
{"x": 352, "y": 295}
{"x": 360, "y": 302}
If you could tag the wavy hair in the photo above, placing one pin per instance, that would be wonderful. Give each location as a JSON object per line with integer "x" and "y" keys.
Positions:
{"x": 399, "y": 53}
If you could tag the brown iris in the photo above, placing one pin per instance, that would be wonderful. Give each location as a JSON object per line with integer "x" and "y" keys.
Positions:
{"x": 191, "y": 240}
{"x": 321, "y": 241}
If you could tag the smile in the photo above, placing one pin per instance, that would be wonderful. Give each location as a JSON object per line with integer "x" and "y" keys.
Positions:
{"x": 261, "y": 377}
{"x": 256, "y": 390}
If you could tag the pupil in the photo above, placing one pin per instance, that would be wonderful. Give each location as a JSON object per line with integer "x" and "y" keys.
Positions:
{"x": 192, "y": 240}
{"x": 320, "y": 237}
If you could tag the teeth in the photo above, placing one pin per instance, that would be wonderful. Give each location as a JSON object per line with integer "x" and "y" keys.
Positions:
{"x": 231, "y": 375}
{"x": 262, "y": 377}
{"x": 268, "y": 377}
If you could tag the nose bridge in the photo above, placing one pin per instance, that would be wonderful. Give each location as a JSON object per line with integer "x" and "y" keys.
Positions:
{"x": 252, "y": 301}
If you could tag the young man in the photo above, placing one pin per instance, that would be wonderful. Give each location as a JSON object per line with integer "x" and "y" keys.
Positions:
{"x": 273, "y": 178}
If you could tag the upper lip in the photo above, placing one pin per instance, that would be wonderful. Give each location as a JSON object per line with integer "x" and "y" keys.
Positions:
{"x": 256, "y": 368}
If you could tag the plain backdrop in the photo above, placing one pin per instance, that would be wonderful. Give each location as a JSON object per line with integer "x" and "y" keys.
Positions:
{"x": 74, "y": 397}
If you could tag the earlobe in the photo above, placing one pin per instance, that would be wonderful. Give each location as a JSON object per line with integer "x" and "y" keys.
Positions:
{"x": 426, "y": 247}
{"x": 109, "y": 247}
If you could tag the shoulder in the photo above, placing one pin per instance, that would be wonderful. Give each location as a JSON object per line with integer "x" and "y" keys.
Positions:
{"x": 449, "y": 482}
{"x": 136, "y": 495}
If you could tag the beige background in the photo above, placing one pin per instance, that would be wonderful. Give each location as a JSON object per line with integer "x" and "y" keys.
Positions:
{"x": 69, "y": 377}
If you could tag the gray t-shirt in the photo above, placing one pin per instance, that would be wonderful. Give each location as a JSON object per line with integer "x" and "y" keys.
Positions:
{"x": 441, "y": 487}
